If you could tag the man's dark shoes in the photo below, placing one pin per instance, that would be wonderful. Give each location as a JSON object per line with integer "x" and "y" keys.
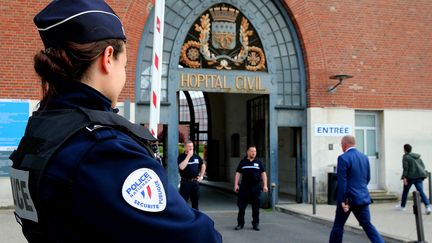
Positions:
{"x": 238, "y": 227}
{"x": 256, "y": 228}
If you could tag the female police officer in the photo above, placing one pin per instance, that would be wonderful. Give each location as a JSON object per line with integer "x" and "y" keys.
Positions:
{"x": 81, "y": 172}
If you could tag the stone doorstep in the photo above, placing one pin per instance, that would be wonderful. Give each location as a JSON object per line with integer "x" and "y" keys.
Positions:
{"x": 382, "y": 196}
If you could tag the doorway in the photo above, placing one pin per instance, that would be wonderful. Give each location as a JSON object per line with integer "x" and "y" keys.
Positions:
{"x": 193, "y": 121}
{"x": 366, "y": 133}
{"x": 233, "y": 122}
{"x": 289, "y": 151}
{"x": 257, "y": 126}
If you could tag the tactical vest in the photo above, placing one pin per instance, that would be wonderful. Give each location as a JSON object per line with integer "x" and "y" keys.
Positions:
{"x": 46, "y": 131}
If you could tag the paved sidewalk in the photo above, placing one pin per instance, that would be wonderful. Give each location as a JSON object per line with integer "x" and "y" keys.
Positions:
{"x": 394, "y": 225}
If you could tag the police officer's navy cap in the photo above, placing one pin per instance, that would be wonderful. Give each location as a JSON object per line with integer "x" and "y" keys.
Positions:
{"x": 80, "y": 21}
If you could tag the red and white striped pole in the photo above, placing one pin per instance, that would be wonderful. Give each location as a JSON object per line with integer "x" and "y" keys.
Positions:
{"x": 156, "y": 66}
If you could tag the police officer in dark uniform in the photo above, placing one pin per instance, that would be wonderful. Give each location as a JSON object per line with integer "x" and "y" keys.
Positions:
{"x": 192, "y": 170}
{"x": 81, "y": 172}
{"x": 251, "y": 171}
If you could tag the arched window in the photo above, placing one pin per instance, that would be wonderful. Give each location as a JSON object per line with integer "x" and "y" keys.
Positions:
{"x": 193, "y": 113}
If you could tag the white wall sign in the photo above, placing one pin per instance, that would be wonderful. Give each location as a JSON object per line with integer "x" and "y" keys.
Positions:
{"x": 332, "y": 130}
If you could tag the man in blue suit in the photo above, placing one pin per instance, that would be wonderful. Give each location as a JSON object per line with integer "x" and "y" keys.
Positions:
{"x": 353, "y": 173}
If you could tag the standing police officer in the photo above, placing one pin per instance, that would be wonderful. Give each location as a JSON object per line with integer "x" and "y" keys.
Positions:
{"x": 251, "y": 171}
{"x": 192, "y": 170}
{"x": 82, "y": 173}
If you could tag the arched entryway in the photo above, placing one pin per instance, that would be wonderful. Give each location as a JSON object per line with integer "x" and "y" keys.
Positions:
{"x": 237, "y": 53}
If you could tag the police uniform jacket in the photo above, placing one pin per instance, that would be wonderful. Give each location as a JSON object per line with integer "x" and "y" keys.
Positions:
{"x": 353, "y": 176}
{"x": 191, "y": 171}
{"x": 83, "y": 191}
{"x": 251, "y": 171}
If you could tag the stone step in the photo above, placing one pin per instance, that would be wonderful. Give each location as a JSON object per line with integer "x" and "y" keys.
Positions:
{"x": 382, "y": 196}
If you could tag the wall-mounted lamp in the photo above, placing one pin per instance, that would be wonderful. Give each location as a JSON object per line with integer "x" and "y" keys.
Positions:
{"x": 341, "y": 78}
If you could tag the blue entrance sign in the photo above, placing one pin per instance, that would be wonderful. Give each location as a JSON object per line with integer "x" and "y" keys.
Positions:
{"x": 332, "y": 130}
{"x": 14, "y": 115}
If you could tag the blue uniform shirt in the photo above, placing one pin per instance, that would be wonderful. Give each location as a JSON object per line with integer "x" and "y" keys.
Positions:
{"x": 193, "y": 167}
{"x": 251, "y": 171}
{"x": 83, "y": 187}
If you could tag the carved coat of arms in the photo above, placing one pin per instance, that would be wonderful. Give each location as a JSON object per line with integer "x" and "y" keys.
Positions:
{"x": 223, "y": 51}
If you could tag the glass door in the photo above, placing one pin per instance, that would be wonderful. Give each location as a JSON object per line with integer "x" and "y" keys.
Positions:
{"x": 367, "y": 143}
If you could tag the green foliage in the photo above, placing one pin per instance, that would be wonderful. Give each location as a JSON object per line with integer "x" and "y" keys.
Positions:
{"x": 181, "y": 148}
{"x": 160, "y": 147}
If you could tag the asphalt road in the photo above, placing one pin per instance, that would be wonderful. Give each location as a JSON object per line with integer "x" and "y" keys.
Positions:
{"x": 276, "y": 227}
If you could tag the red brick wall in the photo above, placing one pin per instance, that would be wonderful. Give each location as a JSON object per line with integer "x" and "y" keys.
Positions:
{"x": 133, "y": 15}
{"x": 20, "y": 41}
{"x": 384, "y": 44}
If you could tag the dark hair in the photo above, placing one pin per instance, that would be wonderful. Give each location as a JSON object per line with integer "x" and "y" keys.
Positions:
{"x": 69, "y": 62}
{"x": 407, "y": 148}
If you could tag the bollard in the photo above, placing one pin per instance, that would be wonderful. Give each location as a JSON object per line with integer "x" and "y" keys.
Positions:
{"x": 273, "y": 188}
{"x": 430, "y": 186}
{"x": 313, "y": 196}
{"x": 418, "y": 217}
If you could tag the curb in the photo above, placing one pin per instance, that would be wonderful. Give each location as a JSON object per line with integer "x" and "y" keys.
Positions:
{"x": 317, "y": 219}
{"x": 356, "y": 229}
{"x": 7, "y": 207}
{"x": 222, "y": 188}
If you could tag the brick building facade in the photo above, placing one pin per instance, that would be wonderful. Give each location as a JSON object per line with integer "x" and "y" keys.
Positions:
{"x": 384, "y": 45}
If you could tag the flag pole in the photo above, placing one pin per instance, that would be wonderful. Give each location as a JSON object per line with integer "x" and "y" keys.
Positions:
{"x": 156, "y": 67}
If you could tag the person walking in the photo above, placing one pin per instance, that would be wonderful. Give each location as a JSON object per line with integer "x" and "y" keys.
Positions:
{"x": 251, "y": 172}
{"x": 192, "y": 170}
{"x": 82, "y": 173}
{"x": 353, "y": 176}
{"x": 413, "y": 174}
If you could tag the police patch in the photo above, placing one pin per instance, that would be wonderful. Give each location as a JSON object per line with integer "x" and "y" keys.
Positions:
{"x": 144, "y": 190}
{"x": 23, "y": 202}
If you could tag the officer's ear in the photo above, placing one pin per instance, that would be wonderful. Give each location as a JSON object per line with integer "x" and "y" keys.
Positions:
{"x": 107, "y": 59}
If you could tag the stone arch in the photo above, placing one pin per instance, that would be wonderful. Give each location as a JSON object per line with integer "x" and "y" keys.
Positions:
{"x": 285, "y": 76}
{"x": 276, "y": 31}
